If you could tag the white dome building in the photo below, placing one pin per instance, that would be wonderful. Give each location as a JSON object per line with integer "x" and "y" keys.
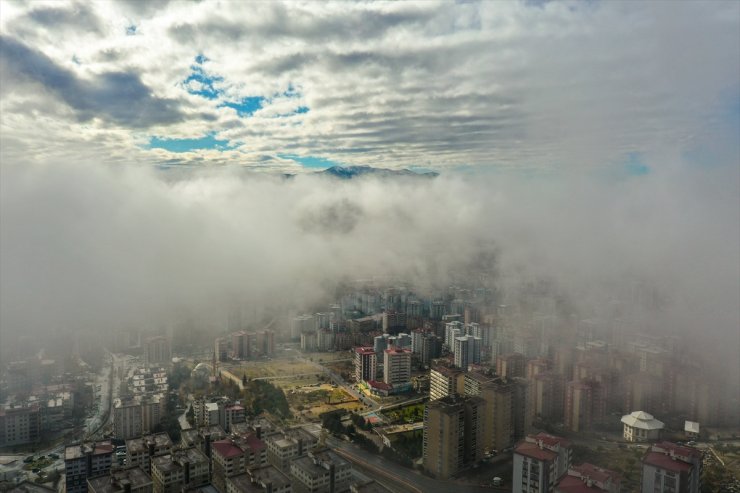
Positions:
{"x": 640, "y": 426}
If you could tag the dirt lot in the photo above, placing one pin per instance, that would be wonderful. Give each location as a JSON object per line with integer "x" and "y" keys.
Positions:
{"x": 311, "y": 401}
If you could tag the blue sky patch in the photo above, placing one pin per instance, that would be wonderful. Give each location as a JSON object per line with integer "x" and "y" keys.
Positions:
{"x": 209, "y": 141}
{"x": 310, "y": 161}
{"x": 245, "y": 107}
{"x": 131, "y": 30}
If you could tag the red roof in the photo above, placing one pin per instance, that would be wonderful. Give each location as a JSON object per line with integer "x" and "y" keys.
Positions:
{"x": 551, "y": 440}
{"x": 664, "y": 461}
{"x": 678, "y": 450}
{"x": 532, "y": 451}
{"x": 596, "y": 473}
{"x": 377, "y": 384}
{"x": 226, "y": 448}
{"x": 572, "y": 484}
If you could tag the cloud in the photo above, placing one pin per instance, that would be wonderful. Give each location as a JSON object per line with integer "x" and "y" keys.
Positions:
{"x": 120, "y": 97}
{"x": 538, "y": 86}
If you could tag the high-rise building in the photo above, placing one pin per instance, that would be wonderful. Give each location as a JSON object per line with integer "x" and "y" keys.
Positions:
{"x": 539, "y": 462}
{"x": 453, "y": 434}
{"x": 497, "y": 417}
{"x": 444, "y": 380}
{"x": 585, "y": 405}
{"x": 466, "y": 351}
{"x": 366, "y": 364}
{"x": 671, "y": 468}
{"x": 86, "y": 460}
{"x": 221, "y": 349}
{"x": 511, "y": 365}
{"x": 547, "y": 392}
{"x": 157, "y": 351}
{"x": 431, "y": 348}
{"x": 452, "y": 330}
{"x": 397, "y": 366}
{"x": 301, "y": 324}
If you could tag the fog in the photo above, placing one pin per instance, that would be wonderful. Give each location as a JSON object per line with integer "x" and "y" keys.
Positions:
{"x": 100, "y": 248}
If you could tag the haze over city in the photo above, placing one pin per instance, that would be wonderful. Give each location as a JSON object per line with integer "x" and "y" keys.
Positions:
{"x": 564, "y": 171}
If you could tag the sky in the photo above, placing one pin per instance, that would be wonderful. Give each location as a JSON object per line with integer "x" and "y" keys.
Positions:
{"x": 142, "y": 148}
{"x": 285, "y": 86}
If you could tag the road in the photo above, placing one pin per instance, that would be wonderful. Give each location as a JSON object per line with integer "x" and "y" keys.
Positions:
{"x": 408, "y": 479}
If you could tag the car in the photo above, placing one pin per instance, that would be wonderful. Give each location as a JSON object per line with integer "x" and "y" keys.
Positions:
{"x": 28, "y": 459}
{"x": 35, "y": 470}
{"x": 54, "y": 456}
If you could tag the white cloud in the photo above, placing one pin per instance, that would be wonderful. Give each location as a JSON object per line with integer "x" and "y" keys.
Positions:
{"x": 432, "y": 84}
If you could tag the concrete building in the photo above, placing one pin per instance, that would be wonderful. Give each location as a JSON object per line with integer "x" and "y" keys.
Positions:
{"x": 221, "y": 348}
{"x": 265, "y": 479}
{"x": 640, "y": 426}
{"x": 497, "y": 415}
{"x": 511, "y": 365}
{"x": 20, "y": 425}
{"x": 452, "y": 330}
{"x": 183, "y": 469}
{"x": 466, "y": 351}
{"x": 671, "y": 468}
{"x": 301, "y": 324}
{"x": 86, "y": 460}
{"x": 157, "y": 351}
{"x": 548, "y": 396}
{"x": 397, "y": 366}
{"x": 130, "y": 480}
{"x": 539, "y": 462}
{"x": 587, "y": 478}
{"x": 366, "y": 364}
{"x": 321, "y": 471}
{"x": 444, "y": 380}
{"x": 283, "y": 447}
{"x": 585, "y": 405}
{"x": 453, "y": 434}
{"x": 136, "y": 415}
{"x": 139, "y": 451}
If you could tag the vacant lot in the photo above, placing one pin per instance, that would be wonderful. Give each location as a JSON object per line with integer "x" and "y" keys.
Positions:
{"x": 311, "y": 401}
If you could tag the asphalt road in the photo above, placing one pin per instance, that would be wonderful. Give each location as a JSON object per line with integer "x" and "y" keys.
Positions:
{"x": 407, "y": 479}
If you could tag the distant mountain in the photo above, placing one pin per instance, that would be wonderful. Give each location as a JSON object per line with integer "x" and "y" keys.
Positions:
{"x": 349, "y": 172}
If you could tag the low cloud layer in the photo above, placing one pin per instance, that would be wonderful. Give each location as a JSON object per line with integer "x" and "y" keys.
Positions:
{"x": 102, "y": 248}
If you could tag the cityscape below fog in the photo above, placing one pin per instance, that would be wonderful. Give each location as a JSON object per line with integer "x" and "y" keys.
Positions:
{"x": 379, "y": 389}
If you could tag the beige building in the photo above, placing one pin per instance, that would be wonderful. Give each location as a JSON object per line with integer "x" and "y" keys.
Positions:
{"x": 396, "y": 366}
{"x": 497, "y": 417}
{"x": 453, "y": 434}
{"x": 444, "y": 380}
{"x": 139, "y": 451}
{"x": 321, "y": 471}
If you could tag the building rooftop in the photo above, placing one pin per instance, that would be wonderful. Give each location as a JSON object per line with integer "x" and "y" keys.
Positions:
{"x": 95, "y": 448}
{"x": 533, "y": 451}
{"x": 164, "y": 463}
{"x": 642, "y": 420}
{"x": 588, "y": 478}
{"x": 159, "y": 440}
{"x": 243, "y": 483}
{"x": 118, "y": 480}
{"x": 29, "y": 487}
{"x": 226, "y": 448}
{"x": 664, "y": 461}
{"x": 364, "y": 350}
{"x": 265, "y": 474}
{"x": 309, "y": 467}
{"x": 691, "y": 427}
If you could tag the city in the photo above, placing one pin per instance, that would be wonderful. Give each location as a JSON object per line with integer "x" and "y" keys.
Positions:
{"x": 386, "y": 390}
{"x": 369, "y": 246}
